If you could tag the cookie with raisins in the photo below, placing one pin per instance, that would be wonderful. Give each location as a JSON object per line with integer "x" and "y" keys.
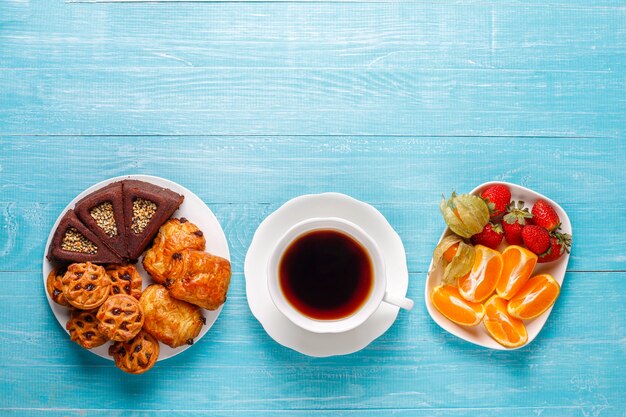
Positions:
{"x": 121, "y": 317}
{"x": 54, "y": 286}
{"x": 137, "y": 355}
{"x": 86, "y": 285}
{"x": 125, "y": 280}
{"x": 83, "y": 328}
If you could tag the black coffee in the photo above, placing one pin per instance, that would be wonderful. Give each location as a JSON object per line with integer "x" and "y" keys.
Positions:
{"x": 326, "y": 275}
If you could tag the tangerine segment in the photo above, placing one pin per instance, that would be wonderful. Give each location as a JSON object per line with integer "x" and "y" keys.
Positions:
{"x": 506, "y": 330}
{"x": 480, "y": 283}
{"x": 518, "y": 265}
{"x": 535, "y": 297}
{"x": 448, "y": 301}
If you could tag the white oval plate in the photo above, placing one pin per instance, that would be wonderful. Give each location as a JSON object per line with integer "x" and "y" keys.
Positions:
{"x": 281, "y": 329}
{"x": 193, "y": 209}
{"x": 477, "y": 334}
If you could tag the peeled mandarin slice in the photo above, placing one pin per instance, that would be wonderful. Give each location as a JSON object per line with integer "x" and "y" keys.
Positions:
{"x": 506, "y": 330}
{"x": 535, "y": 297}
{"x": 518, "y": 265}
{"x": 448, "y": 301}
{"x": 481, "y": 282}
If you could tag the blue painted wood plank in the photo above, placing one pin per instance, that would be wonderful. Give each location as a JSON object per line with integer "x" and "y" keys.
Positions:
{"x": 313, "y": 122}
{"x": 600, "y": 410}
{"x": 271, "y": 169}
{"x": 265, "y": 386}
{"x": 444, "y": 35}
{"x": 310, "y": 387}
{"x": 242, "y": 101}
{"x": 144, "y": 90}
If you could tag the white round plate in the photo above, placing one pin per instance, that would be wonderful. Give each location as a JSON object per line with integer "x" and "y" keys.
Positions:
{"x": 478, "y": 335}
{"x": 281, "y": 329}
{"x": 193, "y": 209}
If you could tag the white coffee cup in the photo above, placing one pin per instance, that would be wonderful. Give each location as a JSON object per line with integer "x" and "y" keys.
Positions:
{"x": 377, "y": 295}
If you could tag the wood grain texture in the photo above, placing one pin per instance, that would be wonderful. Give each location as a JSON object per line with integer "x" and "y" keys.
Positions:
{"x": 367, "y": 102}
{"x": 249, "y": 104}
{"x": 270, "y": 169}
{"x": 405, "y": 69}
{"x": 544, "y": 411}
{"x": 438, "y": 35}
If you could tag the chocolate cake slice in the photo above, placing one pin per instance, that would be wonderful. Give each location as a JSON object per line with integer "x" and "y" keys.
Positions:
{"x": 103, "y": 213}
{"x": 146, "y": 208}
{"x": 74, "y": 242}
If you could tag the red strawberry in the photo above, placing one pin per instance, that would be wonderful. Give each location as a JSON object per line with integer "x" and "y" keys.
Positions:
{"x": 513, "y": 233}
{"x": 497, "y": 197}
{"x": 559, "y": 244}
{"x": 545, "y": 216}
{"x": 491, "y": 236}
{"x": 536, "y": 238}
{"x": 514, "y": 221}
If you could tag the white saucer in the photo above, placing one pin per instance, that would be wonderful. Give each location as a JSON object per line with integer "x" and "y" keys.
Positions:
{"x": 193, "y": 209}
{"x": 477, "y": 334}
{"x": 281, "y": 329}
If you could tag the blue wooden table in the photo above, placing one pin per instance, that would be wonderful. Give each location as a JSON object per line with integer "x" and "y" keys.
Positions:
{"x": 249, "y": 104}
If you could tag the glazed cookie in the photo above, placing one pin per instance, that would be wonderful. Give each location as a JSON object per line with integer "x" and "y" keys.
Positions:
{"x": 86, "y": 285}
{"x": 124, "y": 280}
{"x": 137, "y": 355}
{"x": 54, "y": 285}
{"x": 83, "y": 328}
{"x": 121, "y": 317}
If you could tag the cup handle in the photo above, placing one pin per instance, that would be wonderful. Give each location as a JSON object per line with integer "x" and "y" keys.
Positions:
{"x": 401, "y": 302}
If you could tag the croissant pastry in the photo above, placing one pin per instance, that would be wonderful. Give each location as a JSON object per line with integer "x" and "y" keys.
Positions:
{"x": 174, "y": 236}
{"x": 199, "y": 278}
{"x": 171, "y": 321}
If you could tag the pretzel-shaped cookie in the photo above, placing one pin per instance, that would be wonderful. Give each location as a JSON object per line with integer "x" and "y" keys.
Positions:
{"x": 137, "y": 355}
{"x": 83, "y": 328}
{"x": 124, "y": 280}
{"x": 121, "y": 317}
{"x": 86, "y": 285}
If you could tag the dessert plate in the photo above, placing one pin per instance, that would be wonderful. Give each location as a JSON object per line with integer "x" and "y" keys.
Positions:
{"x": 477, "y": 334}
{"x": 193, "y": 209}
{"x": 281, "y": 329}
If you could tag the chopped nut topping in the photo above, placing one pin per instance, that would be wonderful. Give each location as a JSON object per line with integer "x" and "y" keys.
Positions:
{"x": 105, "y": 218}
{"x": 143, "y": 210}
{"x": 73, "y": 241}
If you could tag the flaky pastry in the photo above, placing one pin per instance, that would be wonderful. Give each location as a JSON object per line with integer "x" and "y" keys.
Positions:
{"x": 199, "y": 278}
{"x": 171, "y": 321}
{"x": 174, "y": 236}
